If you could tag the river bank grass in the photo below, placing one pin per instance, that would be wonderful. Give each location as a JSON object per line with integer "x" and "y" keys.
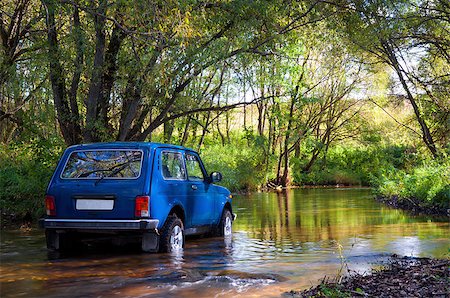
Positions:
{"x": 400, "y": 277}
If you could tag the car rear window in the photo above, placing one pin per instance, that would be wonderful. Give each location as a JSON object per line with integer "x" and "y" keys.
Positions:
{"x": 112, "y": 164}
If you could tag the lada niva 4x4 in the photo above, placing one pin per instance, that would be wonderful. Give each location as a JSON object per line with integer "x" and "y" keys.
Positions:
{"x": 147, "y": 192}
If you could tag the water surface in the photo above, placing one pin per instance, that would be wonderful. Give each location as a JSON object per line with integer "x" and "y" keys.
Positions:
{"x": 281, "y": 241}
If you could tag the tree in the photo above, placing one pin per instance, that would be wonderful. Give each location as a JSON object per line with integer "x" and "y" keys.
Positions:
{"x": 392, "y": 32}
{"x": 19, "y": 41}
{"x": 142, "y": 65}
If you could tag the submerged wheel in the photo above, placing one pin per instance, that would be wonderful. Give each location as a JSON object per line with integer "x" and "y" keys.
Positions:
{"x": 172, "y": 235}
{"x": 226, "y": 224}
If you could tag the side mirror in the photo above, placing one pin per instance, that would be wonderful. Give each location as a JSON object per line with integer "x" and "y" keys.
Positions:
{"x": 215, "y": 177}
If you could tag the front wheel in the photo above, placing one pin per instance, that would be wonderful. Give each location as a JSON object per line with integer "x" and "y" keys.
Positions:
{"x": 172, "y": 236}
{"x": 226, "y": 223}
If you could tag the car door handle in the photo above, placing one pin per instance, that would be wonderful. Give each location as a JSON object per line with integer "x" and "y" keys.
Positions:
{"x": 194, "y": 187}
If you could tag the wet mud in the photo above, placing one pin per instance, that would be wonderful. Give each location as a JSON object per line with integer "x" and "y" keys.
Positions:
{"x": 400, "y": 277}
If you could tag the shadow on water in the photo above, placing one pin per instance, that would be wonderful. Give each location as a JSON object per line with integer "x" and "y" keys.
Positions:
{"x": 280, "y": 242}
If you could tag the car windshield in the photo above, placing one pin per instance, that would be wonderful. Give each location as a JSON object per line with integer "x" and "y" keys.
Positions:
{"x": 94, "y": 164}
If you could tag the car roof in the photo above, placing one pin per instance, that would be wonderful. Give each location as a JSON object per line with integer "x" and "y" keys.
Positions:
{"x": 128, "y": 145}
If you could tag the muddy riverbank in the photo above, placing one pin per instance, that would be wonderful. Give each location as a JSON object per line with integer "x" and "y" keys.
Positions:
{"x": 399, "y": 277}
{"x": 414, "y": 206}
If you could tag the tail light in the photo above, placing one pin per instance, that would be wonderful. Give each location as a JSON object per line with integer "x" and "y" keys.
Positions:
{"x": 50, "y": 205}
{"x": 141, "y": 207}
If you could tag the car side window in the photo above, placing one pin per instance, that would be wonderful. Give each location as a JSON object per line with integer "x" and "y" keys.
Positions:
{"x": 194, "y": 169}
{"x": 172, "y": 166}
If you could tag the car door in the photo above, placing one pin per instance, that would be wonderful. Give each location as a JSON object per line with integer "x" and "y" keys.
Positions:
{"x": 200, "y": 194}
{"x": 169, "y": 184}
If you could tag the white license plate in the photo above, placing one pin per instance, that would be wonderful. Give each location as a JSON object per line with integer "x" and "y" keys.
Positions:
{"x": 90, "y": 204}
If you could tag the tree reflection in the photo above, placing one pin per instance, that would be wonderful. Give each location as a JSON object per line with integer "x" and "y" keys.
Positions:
{"x": 313, "y": 215}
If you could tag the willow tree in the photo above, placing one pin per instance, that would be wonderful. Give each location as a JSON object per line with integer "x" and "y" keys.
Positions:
{"x": 120, "y": 69}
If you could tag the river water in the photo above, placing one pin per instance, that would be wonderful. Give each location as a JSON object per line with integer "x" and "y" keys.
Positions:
{"x": 281, "y": 241}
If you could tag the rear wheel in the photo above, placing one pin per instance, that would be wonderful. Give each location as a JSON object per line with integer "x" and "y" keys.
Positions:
{"x": 226, "y": 224}
{"x": 172, "y": 235}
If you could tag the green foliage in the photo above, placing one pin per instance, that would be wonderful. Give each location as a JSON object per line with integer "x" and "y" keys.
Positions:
{"x": 25, "y": 172}
{"x": 328, "y": 289}
{"x": 351, "y": 165}
{"x": 242, "y": 165}
{"x": 334, "y": 291}
{"x": 429, "y": 183}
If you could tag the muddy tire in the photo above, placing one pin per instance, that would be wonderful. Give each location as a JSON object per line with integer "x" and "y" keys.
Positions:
{"x": 172, "y": 235}
{"x": 225, "y": 226}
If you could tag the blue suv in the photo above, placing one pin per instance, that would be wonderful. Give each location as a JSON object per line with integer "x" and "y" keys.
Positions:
{"x": 147, "y": 192}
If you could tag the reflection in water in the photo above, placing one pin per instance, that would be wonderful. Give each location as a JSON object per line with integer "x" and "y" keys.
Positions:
{"x": 281, "y": 241}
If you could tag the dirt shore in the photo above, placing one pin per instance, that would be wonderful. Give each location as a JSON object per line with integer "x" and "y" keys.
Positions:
{"x": 414, "y": 206}
{"x": 400, "y": 277}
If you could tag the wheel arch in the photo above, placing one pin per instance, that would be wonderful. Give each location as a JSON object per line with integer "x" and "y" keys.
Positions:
{"x": 179, "y": 212}
{"x": 227, "y": 206}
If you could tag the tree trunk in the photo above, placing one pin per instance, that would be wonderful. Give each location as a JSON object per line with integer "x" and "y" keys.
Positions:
{"x": 78, "y": 66}
{"x": 284, "y": 178}
{"x": 168, "y": 131}
{"x": 92, "y": 133}
{"x": 262, "y": 107}
{"x": 297, "y": 150}
{"x": 294, "y": 97}
{"x": 280, "y": 160}
{"x": 130, "y": 107}
{"x": 227, "y": 127}
{"x": 185, "y": 131}
{"x": 426, "y": 135}
{"x": 109, "y": 76}
{"x": 271, "y": 137}
{"x": 222, "y": 137}
{"x": 204, "y": 131}
{"x": 57, "y": 79}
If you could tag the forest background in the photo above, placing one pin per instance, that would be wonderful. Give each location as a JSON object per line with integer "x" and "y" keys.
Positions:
{"x": 272, "y": 93}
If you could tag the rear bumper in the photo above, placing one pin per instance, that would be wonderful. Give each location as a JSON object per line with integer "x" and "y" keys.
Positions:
{"x": 100, "y": 224}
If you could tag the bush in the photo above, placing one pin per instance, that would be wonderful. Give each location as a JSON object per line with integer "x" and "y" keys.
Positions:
{"x": 242, "y": 167}
{"x": 25, "y": 172}
{"x": 429, "y": 183}
{"x": 354, "y": 165}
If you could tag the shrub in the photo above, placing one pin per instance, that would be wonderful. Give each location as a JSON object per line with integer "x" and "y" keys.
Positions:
{"x": 25, "y": 172}
{"x": 428, "y": 183}
{"x": 354, "y": 165}
{"x": 243, "y": 167}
